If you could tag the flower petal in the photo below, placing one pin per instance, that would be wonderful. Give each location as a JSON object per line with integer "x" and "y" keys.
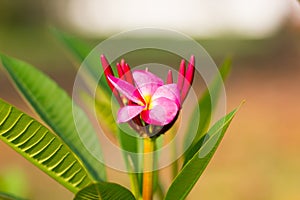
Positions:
{"x": 169, "y": 77}
{"x": 169, "y": 91}
{"x": 162, "y": 112}
{"x": 146, "y": 82}
{"x": 181, "y": 74}
{"x": 126, "y": 113}
{"x": 126, "y": 89}
{"x": 108, "y": 72}
{"x": 189, "y": 76}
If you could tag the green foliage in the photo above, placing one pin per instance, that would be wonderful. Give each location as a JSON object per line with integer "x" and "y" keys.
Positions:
{"x": 56, "y": 109}
{"x": 103, "y": 111}
{"x": 76, "y": 47}
{"x": 4, "y": 196}
{"x": 129, "y": 144}
{"x": 81, "y": 50}
{"x": 192, "y": 170}
{"x": 13, "y": 180}
{"x": 104, "y": 191}
{"x": 130, "y": 151}
{"x": 42, "y": 148}
{"x": 206, "y": 104}
{"x": 66, "y": 150}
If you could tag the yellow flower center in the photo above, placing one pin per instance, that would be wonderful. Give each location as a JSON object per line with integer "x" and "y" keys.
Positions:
{"x": 147, "y": 99}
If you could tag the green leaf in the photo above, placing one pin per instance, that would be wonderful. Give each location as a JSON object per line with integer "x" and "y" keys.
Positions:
{"x": 42, "y": 148}
{"x": 206, "y": 104}
{"x": 13, "y": 180}
{"x": 104, "y": 191}
{"x": 103, "y": 111}
{"x": 4, "y": 196}
{"x": 78, "y": 48}
{"x": 190, "y": 173}
{"x": 81, "y": 50}
{"x": 129, "y": 143}
{"x": 56, "y": 109}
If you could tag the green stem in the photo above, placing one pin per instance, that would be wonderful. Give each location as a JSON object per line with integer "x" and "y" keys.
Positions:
{"x": 134, "y": 185}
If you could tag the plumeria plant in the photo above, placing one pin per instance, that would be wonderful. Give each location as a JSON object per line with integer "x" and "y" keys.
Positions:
{"x": 149, "y": 105}
{"x": 146, "y": 100}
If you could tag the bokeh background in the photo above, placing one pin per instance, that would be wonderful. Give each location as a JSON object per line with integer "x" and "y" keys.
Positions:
{"x": 259, "y": 156}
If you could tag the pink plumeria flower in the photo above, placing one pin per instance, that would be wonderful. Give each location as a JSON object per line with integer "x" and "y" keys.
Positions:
{"x": 143, "y": 96}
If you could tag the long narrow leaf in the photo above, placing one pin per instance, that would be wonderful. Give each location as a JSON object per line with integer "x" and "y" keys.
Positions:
{"x": 104, "y": 191}
{"x": 129, "y": 144}
{"x": 103, "y": 111}
{"x": 5, "y": 196}
{"x": 42, "y": 148}
{"x": 91, "y": 64}
{"x": 78, "y": 48}
{"x": 56, "y": 109}
{"x": 191, "y": 172}
{"x": 206, "y": 104}
{"x": 81, "y": 50}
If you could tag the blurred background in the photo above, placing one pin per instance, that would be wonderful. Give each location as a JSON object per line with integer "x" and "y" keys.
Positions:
{"x": 259, "y": 156}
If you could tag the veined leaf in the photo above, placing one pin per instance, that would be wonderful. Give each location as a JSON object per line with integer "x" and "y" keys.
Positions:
{"x": 92, "y": 66}
{"x": 56, "y": 109}
{"x": 42, "y": 148}
{"x": 190, "y": 173}
{"x": 206, "y": 104}
{"x": 104, "y": 191}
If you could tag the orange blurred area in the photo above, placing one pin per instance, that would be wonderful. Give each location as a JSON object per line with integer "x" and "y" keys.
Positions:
{"x": 259, "y": 155}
